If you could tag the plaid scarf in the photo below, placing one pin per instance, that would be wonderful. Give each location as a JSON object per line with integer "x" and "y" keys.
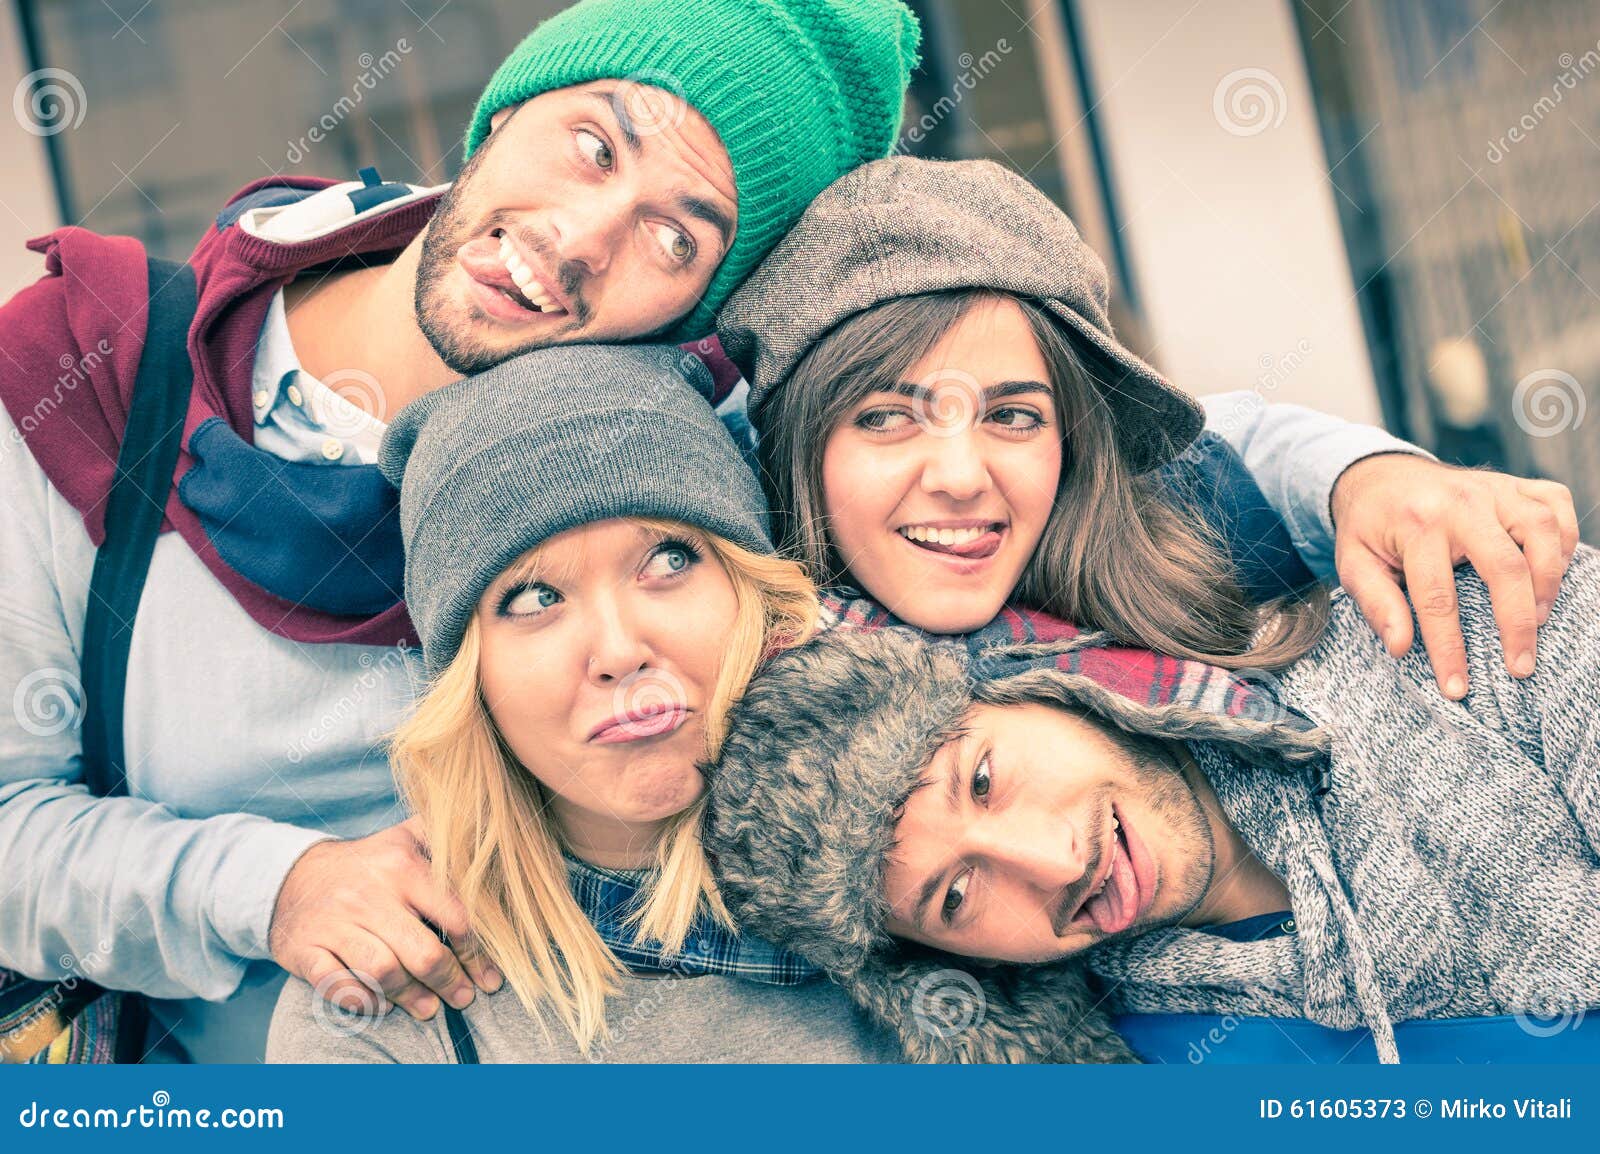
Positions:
{"x": 1138, "y": 674}
{"x": 609, "y": 896}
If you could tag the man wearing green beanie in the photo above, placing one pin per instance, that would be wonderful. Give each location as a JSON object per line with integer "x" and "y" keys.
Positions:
{"x": 627, "y": 166}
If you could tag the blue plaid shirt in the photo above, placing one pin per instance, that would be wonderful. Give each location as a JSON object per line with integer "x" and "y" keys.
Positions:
{"x": 609, "y": 896}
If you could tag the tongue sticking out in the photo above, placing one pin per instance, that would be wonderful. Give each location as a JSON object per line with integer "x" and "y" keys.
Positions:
{"x": 977, "y": 549}
{"x": 481, "y": 259}
{"x": 1113, "y": 909}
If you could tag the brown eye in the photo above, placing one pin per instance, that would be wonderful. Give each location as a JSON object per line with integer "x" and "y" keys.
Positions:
{"x": 597, "y": 150}
{"x": 954, "y": 896}
{"x": 982, "y": 781}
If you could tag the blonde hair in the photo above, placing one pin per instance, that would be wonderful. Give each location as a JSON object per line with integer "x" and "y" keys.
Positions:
{"x": 492, "y": 840}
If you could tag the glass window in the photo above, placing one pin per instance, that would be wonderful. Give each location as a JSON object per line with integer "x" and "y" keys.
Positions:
{"x": 1464, "y": 145}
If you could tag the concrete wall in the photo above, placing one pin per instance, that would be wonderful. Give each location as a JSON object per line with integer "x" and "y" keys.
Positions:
{"x": 1225, "y": 205}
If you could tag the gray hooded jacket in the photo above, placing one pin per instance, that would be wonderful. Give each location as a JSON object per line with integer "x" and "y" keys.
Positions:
{"x": 1453, "y": 867}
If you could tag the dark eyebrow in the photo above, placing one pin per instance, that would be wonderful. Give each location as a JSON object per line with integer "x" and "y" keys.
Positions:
{"x": 953, "y": 801}
{"x": 993, "y": 393}
{"x": 612, "y": 99}
{"x": 1013, "y": 388}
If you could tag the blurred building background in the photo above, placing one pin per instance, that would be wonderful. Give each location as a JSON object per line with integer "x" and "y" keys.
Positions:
{"x": 1387, "y": 209}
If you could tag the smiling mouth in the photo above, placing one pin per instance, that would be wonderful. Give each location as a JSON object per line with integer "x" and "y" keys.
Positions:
{"x": 972, "y": 542}
{"x": 525, "y": 289}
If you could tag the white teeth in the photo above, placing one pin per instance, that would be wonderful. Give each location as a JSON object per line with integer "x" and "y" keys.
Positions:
{"x": 522, "y": 275}
{"x": 928, "y": 533}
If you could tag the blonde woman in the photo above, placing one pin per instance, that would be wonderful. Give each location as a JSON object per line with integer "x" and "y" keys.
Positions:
{"x": 588, "y": 567}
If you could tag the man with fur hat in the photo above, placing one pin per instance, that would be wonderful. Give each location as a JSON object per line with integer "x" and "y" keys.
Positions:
{"x": 1336, "y": 842}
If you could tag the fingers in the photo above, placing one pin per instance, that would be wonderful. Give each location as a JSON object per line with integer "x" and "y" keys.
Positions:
{"x": 1505, "y": 573}
{"x": 1533, "y": 526}
{"x": 1544, "y": 522}
{"x": 445, "y": 910}
{"x": 1376, "y": 589}
{"x": 378, "y": 964}
{"x": 428, "y": 961}
{"x": 338, "y": 986}
{"x": 1431, "y": 582}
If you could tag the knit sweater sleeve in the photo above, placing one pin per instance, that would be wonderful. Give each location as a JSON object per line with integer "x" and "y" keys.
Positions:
{"x": 1555, "y": 714}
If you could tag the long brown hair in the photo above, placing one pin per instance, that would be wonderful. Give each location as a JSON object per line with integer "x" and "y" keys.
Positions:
{"x": 1122, "y": 553}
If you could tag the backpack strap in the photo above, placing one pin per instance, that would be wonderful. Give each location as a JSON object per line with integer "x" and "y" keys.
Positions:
{"x": 134, "y": 511}
{"x": 466, "y": 1050}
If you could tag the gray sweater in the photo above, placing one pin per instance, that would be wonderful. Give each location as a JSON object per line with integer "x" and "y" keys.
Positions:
{"x": 1453, "y": 868}
{"x": 666, "y": 1019}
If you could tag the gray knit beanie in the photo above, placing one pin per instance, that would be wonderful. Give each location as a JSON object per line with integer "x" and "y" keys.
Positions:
{"x": 822, "y": 752}
{"x": 904, "y": 226}
{"x": 490, "y": 466}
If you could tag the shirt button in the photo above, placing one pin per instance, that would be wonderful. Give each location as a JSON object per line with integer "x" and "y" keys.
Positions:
{"x": 332, "y": 449}
{"x": 296, "y": 398}
{"x": 262, "y": 398}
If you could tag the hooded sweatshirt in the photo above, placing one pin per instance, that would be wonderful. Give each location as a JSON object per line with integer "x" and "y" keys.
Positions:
{"x": 1447, "y": 862}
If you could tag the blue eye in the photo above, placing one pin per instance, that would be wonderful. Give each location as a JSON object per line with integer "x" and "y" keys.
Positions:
{"x": 670, "y": 558}
{"x": 528, "y": 600}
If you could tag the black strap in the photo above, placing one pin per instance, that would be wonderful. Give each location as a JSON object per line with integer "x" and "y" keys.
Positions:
{"x": 134, "y": 509}
{"x": 460, "y": 1036}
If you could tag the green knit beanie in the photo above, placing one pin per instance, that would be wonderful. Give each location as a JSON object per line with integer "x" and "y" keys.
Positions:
{"x": 800, "y": 91}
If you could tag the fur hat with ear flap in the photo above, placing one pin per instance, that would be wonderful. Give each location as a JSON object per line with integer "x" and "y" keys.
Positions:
{"x": 821, "y": 754}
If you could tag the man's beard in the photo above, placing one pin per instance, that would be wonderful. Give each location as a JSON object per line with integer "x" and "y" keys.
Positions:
{"x": 450, "y": 228}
